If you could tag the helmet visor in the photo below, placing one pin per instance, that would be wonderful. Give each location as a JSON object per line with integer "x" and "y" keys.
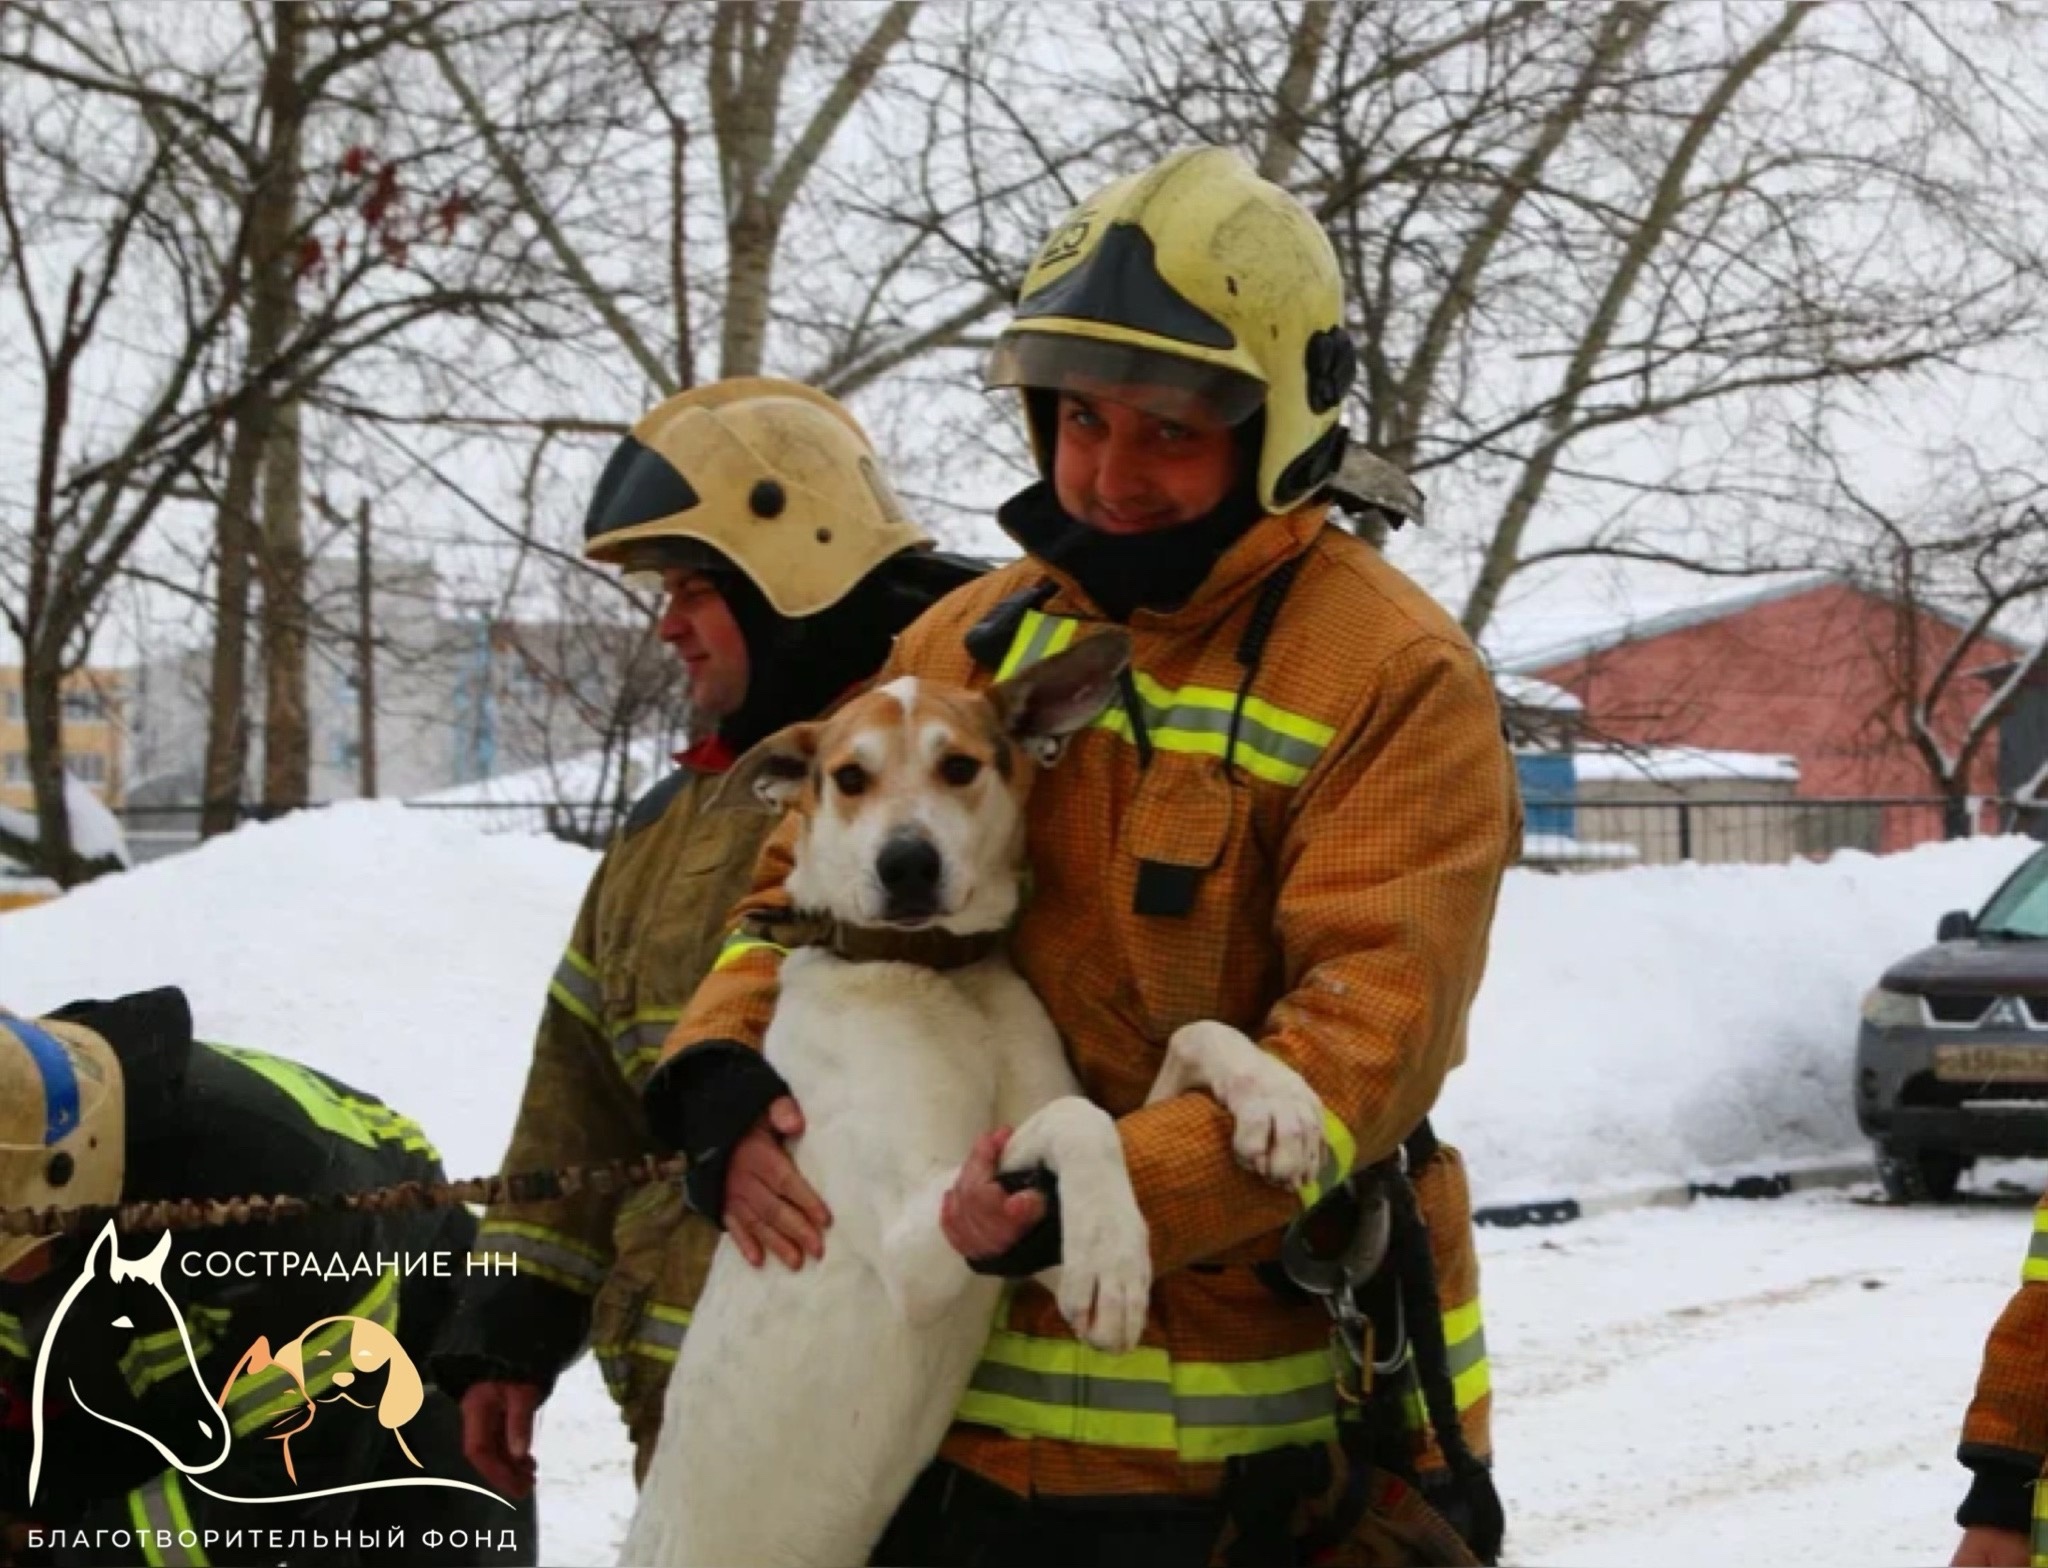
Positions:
{"x": 647, "y": 559}
{"x": 1166, "y": 385}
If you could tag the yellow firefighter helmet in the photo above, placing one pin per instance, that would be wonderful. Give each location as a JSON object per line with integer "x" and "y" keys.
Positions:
{"x": 1194, "y": 284}
{"x": 768, "y": 476}
{"x": 62, "y": 1121}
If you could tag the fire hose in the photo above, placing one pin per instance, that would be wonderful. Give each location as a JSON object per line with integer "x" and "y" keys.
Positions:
{"x": 256, "y": 1208}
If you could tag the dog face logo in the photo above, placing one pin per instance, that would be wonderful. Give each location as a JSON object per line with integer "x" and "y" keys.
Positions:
{"x": 912, "y": 796}
{"x": 336, "y": 1360}
{"x": 365, "y": 1349}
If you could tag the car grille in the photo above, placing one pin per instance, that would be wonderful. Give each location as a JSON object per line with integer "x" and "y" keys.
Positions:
{"x": 1965, "y": 1007}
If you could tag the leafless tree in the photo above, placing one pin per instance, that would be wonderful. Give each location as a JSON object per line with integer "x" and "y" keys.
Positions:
{"x": 1963, "y": 564}
{"x": 1569, "y": 229}
{"x": 147, "y": 238}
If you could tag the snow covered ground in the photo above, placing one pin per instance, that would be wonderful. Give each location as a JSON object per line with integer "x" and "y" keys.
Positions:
{"x": 1726, "y": 1383}
{"x": 1746, "y": 1383}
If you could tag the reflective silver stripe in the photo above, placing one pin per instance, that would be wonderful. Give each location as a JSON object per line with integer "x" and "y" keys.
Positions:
{"x": 637, "y": 1047}
{"x": 1242, "y": 1410}
{"x": 665, "y": 1332}
{"x": 1467, "y": 1353}
{"x": 575, "y": 986}
{"x": 550, "y": 1255}
{"x": 1203, "y": 720}
{"x": 1072, "y": 1392}
{"x": 1032, "y": 642}
{"x": 1271, "y": 743}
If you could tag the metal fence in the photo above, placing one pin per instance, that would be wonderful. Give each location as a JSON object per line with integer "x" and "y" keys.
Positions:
{"x": 1564, "y": 834}
{"x": 155, "y": 831}
{"x": 1582, "y": 835}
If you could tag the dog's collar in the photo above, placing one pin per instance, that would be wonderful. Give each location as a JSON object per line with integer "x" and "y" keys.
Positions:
{"x": 930, "y": 949}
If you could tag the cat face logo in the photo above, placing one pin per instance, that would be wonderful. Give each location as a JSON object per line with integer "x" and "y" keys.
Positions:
{"x": 367, "y": 1347}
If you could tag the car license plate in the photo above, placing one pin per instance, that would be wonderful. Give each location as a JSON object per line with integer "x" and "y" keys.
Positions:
{"x": 1992, "y": 1063}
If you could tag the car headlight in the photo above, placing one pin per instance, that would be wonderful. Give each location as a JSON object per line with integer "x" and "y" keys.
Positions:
{"x": 1884, "y": 1009}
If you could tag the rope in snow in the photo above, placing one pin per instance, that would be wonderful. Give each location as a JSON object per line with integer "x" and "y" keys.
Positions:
{"x": 197, "y": 1213}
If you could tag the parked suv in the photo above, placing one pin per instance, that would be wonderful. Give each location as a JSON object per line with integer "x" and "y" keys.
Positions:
{"x": 1952, "y": 1058}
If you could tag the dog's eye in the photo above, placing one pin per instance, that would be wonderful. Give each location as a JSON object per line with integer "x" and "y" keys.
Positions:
{"x": 850, "y": 778}
{"x": 959, "y": 769}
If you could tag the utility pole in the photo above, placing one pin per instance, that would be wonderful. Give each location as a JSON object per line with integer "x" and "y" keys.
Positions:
{"x": 366, "y": 658}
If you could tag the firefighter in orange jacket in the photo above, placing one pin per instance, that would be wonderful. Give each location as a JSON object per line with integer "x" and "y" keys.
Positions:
{"x": 1296, "y": 822}
{"x": 2005, "y": 1434}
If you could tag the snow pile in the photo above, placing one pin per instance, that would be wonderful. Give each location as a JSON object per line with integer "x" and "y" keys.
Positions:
{"x": 1673, "y": 1022}
{"x": 1636, "y": 1026}
{"x": 95, "y": 830}
{"x": 1681, "y": 764}
{"x": 401, "y": 952}
{"x": 520, "y": 802}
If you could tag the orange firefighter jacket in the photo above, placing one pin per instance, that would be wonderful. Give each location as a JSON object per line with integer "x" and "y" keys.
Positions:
{"x": 1328, "y": 890}
{"x": 2005, "y": 1433}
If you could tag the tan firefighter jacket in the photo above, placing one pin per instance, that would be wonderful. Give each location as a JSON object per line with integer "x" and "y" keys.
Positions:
{"x": 619, "y": 1273}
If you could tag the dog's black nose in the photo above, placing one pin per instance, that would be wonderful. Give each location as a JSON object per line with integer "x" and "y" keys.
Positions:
{"x": 909, "y": 869}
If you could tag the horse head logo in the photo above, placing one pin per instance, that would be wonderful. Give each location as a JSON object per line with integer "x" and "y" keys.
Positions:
{"x": 126, "y": 1294}
{"x": 122, "y": 1293}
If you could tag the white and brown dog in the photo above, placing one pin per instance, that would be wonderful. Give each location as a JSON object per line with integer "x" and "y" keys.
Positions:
{"x": 803, "y": 1404}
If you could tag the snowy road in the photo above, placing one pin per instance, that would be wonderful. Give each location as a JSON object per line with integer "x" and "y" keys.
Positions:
{"x": 1742, "y": 1382}
{"x": 1729, "y": 1383}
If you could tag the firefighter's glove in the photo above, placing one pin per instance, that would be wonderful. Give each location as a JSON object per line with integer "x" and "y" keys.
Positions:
{"x": 1039, "y": 1247}
{"x": 701, "y": 1102}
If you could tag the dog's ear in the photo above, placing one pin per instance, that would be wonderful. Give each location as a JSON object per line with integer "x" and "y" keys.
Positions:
{"x": 1048, "y": 701}
{"x": 772, "y": 772}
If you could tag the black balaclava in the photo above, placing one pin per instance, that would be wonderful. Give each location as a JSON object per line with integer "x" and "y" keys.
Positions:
{"x": 798, "y": 668}
{"x": 1124, "y": 573}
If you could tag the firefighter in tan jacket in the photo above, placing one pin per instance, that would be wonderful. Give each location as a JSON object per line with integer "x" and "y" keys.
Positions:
{"x": 2005, "y": 1434}
{"x": 788, "y": 567}
{"x": 1296, "y": 821}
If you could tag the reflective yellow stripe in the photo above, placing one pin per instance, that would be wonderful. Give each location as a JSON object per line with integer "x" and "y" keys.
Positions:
{"x": 150, "y": 1358}
{"x": 158, "y": 1507}
{"x": 1272, "y": 743}
{"x": 739, "y": 944}
{"x": 1465, "y": 1351}
{"x": 2036, "y": 1269}
{"x": 1038, "y": 636}
{"x": 1465, "y": 1342}
{"x": 1340, "y": 1153}
{"x": 13, "y": 1341}
{"x": 549, "y": 1254}
{"x": 1201, "y": 1411}
{"x": 658, "y": 1337}
{"x": 576, "y": 988}
{"x": 313, "y": 1095}
{"x": 2041, "y": 1523}
{"x": 257, "y": 1400}
{"x": 637, "y": 1043}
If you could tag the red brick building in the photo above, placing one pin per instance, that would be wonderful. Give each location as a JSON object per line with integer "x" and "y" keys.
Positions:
{"x": 1810, "y": 669}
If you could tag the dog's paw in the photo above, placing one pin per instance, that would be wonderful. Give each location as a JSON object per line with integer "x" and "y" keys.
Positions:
{"x": 1104, "y": 1281}
{"x": 1279, "y": 1132}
